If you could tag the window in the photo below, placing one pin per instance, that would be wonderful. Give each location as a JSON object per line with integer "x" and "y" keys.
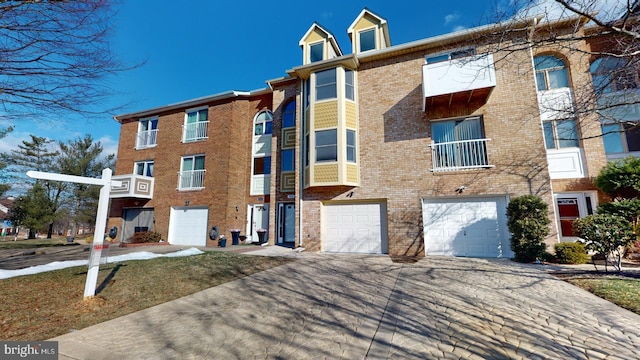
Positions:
{"x": 351, "y": 146}
{"x": 196, "y": 125}
{"x": 560, "y": 134}
{"x": 192, "y": 172}
{"x": 289, "y": 115}
{"x": 349, "y": 85}
{"x": 316, "y": 52}
{"x": 326, "y": 145}
{"x": 262, "y": 165}
{"x": 456, "y": 54}
{"x": 263, "y": 123}
{"x": 326, "y": 84}
{"x": 613, "y": 74}
{"x": 144, "y": 168}
{"x": 620, "y": 138}
{"x": 458, "y": 144}
{"x": 147, "y": 132}
{"x": 367, "y": 40}
{"x": 306, "y": 150}
{"x": 551, "y": 73}
{"x": 288, "y": 160}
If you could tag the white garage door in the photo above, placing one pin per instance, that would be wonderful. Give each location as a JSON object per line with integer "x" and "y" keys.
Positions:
{"x": 355, "y": 228}
{"x": 474, "y": 227}
{"x": 188, "y": 226}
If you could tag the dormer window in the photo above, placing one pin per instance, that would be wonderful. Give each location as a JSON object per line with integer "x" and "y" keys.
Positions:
{"x": 367, "y": 40}
{"x": 316, "y": 52}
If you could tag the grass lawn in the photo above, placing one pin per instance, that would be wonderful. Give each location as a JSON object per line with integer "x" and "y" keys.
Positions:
{"x": 624, "y": 292}
{"x": 42, "y": 306}
{"x": 8, "y": 243}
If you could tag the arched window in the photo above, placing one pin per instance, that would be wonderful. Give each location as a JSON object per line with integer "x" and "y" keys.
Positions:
{"x": 611, "y": 74}
{"x": 551, "y": 73}
{"x": 262, "y": 123}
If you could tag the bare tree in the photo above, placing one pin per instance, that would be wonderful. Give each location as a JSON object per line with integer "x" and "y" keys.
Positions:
{"x": 603, "y": 34}
{"x": 55, "y": 57}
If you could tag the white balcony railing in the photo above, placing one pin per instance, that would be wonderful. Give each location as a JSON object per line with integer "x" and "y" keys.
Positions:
{"x": 194, "y": 131}
{"x": 146, "y": 139}
{"x": 459, "y": 75}
{"x": 460, "y": 155}
{"x": 191, "y": 180}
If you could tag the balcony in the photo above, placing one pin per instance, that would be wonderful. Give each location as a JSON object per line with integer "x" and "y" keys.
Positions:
{"x": 133, "y": 186}
{"x": 466, "y": 80}
{"x": 191, "y": 180}
{"x": 194, "y": 131}
{"x": 566, "y": 163}
{"x": 145, "y": 139}
{"x": 460, "y": 155}
{"x": 556, "y": 104}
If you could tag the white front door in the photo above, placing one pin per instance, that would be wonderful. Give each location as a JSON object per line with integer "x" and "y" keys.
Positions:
{"x": 258, "y": 219}
{"x": 286, "y": 223}
{"x": 571, "y": 206}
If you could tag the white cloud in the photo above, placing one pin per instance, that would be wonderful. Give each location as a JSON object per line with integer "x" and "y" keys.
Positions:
{"x": 459, "y": 28}
{"x": 448, "y": 19}
{"x": 109, "y": 145}
{"x": 606, "y": 9}
{"x": 11, "y": 141}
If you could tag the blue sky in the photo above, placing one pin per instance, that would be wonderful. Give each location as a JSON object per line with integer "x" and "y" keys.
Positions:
{"x": 199, "y": 47}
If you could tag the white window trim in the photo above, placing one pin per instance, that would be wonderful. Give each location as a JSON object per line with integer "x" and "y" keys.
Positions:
{"x": 324, "y": 50}
{"x": 140, "y": 121}
{"x": 375, "y": 39}
{"x": 184, "y": 124}
{"x": 145, "y": 166}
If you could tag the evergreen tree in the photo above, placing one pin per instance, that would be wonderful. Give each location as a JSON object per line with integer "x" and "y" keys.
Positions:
{"x": 38, "y": 154}
{"x": 32, "y": 210}
{"x": 83, "y": 157}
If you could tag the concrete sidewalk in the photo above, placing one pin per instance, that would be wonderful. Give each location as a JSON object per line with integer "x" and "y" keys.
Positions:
{"x": 353, "y": 307}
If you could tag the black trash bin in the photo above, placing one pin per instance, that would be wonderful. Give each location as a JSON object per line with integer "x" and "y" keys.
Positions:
{"x": 262, "y": 236}
{"x": 235, "y": 237}
{"x": 222, "y": 241}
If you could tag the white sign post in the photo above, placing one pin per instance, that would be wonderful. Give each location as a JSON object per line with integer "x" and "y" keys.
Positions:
{"x": 101, "y": 218}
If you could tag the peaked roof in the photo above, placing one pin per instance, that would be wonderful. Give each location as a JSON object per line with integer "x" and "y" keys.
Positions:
{"x": 382, "y": 21}
{"x": 329, "y": 35}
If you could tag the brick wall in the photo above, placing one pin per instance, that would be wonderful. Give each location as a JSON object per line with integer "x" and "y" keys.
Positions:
{"x": 227, "y": 153}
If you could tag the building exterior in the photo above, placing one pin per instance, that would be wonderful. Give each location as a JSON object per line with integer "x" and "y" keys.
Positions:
{"x": 405, "y": 150}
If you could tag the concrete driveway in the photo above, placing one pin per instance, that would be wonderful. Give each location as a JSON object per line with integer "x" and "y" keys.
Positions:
{"x": 355, "y": 307}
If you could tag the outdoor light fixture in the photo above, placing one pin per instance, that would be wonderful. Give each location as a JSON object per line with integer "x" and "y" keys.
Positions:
{"x": 186, "y": 203}
{"x": 237, "y": 208}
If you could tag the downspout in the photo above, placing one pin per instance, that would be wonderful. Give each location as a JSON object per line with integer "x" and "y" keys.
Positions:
{"x": 301, "y": 157}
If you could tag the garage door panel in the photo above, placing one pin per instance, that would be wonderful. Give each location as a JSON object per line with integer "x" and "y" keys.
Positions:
{"x": 353, "y": 228}
{"x": 466, "y": 227}
{"x": 188, "y": 226}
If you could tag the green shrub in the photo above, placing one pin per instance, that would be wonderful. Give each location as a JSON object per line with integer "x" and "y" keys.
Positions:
{"x": 145, "y": 237}
{"x": 620, "y": 179}
{"x": 528, "y": 222}
{"x": 571, "y": 253}
{"x": 605, "y": 234}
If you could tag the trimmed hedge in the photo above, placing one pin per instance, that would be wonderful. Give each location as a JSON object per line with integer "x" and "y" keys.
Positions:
{"x": 571, "y": 253}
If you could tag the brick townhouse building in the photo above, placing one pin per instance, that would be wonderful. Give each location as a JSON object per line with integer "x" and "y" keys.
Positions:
{"x": 405, "y": 150}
